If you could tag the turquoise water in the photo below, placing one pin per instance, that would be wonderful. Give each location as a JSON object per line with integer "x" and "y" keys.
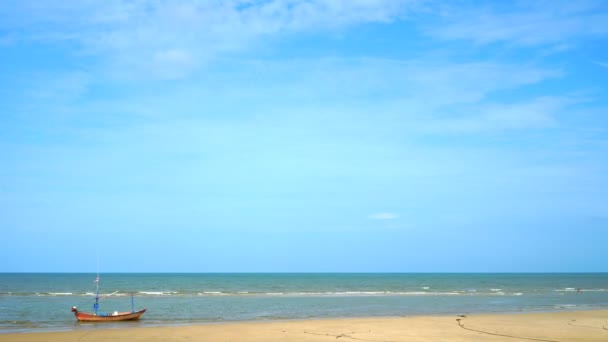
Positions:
{"x": 36, "y": 302}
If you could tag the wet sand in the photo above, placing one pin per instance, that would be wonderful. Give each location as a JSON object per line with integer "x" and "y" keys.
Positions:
{"x": 554, "y": 326}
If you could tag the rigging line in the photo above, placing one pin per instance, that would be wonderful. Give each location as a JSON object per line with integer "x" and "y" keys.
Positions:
{"x": 111, "y": 294}
{"x": 97, "y": 262}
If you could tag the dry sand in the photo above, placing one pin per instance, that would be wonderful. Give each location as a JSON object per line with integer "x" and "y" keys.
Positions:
{"x": 558, "y": 326}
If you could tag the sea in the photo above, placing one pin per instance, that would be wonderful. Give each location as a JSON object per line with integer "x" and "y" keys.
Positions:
{"x": 32, "y": 302}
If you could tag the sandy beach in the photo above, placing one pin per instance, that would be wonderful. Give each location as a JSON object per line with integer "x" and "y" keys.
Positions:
{"x": 556, "y": 326}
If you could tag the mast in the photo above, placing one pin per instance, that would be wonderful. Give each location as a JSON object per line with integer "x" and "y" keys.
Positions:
{"x": 96, "y": 305}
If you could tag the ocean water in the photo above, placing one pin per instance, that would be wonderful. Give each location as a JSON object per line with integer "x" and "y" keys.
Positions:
{"x": 42, "y": 302}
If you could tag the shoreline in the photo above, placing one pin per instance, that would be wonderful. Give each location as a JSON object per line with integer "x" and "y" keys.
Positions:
{"x": 145, "y": 323}
{"x": 589, "y": 325}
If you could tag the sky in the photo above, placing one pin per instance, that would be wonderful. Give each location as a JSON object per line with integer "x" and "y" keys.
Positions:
{"x": 303, "y": 136}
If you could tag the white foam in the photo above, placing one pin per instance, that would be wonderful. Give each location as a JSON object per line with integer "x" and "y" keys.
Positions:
{"x": 594, "y": 290}
{"x": 154, "y": 293}
{"x": 414, "y": 293}
{"x": 468, "y": 292}
{"x": 361, "y": 293}
{"x": 423, "y": 293}
{"x": 60, "y": 293}
{"x": 564, "y": 306}
{"x": 368, "y": 292}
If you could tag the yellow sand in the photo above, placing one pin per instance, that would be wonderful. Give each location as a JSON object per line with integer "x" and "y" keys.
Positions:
{"x": 560, "y": 326}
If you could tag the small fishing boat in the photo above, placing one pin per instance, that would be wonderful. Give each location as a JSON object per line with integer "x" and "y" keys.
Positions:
{"x": 107, "y": 317}
{"x": 115, "y": 316}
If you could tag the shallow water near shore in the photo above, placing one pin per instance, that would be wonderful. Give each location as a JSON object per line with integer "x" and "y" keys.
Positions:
{"x": 42, "y": 302}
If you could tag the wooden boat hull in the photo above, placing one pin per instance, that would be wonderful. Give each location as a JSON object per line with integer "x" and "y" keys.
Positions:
{"x": 111, "y": 317}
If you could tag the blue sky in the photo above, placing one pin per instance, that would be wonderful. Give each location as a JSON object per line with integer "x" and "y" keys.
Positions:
{"x": 296, "y": 136}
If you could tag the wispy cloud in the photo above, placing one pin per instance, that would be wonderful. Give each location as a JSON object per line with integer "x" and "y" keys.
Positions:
{"x": 383, "y": 216}
{"x": 536, "y": 113}
{"x": 170, "y": 39}
{"x": 529, "y": 24}
{"x": 57, "y": 87}
{"x": 417, "y": 97}
{"x": 602, "y": 64}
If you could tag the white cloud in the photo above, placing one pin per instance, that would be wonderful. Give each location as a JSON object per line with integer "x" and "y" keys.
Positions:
{"x": 415, "y": 86}
{"x": 173, "y": 63}
{"x": 336, "y": 13}
{"x": 529, "y": 24}
{"x": 57, "y": 88}
{"x": 537, "y": 113}
{"x": 6, "y": 39}
{"x": 383, "y": 216}
{"x": 128, "y": 35}
{"x": 388, "y": 96}
{"x": 602, "y": 64}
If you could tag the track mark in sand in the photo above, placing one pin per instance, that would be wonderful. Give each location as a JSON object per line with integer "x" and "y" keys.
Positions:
{"x": 603, "y": 327}
{"x": 459, "y": 320}
{"x": 346, "y": 336}
{"x": 85, "y": 335}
